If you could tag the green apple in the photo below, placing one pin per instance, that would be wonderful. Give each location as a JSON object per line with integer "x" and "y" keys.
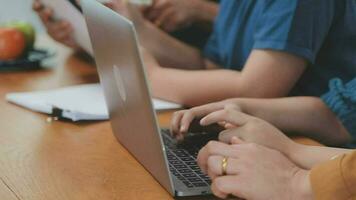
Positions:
{"x": 27, "y": 29}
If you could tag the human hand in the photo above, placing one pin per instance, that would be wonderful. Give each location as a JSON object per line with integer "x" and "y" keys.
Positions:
{"x": 253, "y": 172}
{"x": 250, "y": 129}
{"x": 59, "y": 30}
{"x": 182, "y": 120}
{"x": 172, "y": 15}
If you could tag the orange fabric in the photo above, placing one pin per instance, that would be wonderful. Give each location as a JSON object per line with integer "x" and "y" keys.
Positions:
{"x": 335, "y": 179}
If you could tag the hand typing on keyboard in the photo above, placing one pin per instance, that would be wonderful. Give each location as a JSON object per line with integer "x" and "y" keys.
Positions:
{"x": 185, "y": 121}
{"x": 195, "y": 131}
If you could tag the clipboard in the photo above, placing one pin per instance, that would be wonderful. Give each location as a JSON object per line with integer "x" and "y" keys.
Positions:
{"x": 75, "y": 103}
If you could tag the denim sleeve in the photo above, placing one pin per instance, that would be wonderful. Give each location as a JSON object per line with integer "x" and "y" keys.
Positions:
{"x": 341, "y": 99}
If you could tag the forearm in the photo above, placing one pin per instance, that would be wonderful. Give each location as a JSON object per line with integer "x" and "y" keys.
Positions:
{"x": 309, "y": 156}
{"x": 192, "y": 88}
{"x": 306, "y": 116}
{"x": 256, "y": 80}
{"x": 168, "y": 51}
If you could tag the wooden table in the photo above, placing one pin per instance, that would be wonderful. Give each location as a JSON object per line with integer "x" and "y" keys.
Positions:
{"x": 64, "y": 160}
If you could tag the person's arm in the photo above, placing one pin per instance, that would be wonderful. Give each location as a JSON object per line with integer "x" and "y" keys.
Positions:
{"x": 255, "y": 130}
{"x": 168, "y": 51}
{"x": 172, "y": 15}
{"x": 266, "y": 74}
{"x": 335, "y": 179}
{"x": 59, "y": 30}
{"x": 305, "y": 116}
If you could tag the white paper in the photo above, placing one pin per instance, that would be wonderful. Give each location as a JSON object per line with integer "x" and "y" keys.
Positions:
{"x": 63, "y": 9}
{"x": 81, "y": 102}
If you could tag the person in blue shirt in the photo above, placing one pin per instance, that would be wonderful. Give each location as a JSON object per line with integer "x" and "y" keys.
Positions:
{"x": 258, "y": 49}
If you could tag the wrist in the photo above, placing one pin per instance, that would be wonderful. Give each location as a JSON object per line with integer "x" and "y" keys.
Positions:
{"x": 301, "y": 186}
{"x": 241, "y": 104}
{"x": 293, "y": 150}
{"x": 300, "y": 155}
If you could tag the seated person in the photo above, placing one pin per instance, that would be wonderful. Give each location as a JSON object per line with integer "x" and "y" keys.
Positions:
{"x": 329, "y": 120}
{"x": 174, "y": 16}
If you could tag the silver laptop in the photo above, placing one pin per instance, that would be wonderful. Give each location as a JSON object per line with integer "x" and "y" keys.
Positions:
{"x": 132, "y": 116}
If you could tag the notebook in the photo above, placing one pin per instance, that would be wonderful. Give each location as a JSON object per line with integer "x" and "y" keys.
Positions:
{"x": 81, "y": 102}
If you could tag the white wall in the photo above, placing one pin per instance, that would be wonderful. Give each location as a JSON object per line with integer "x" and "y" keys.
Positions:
{"x": 19, "y": 10}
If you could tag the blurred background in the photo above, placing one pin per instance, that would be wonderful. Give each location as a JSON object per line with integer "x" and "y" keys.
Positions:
{"x": 19, "y": 10}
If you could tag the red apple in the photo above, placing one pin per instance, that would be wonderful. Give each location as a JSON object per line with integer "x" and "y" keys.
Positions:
{"x": 12, "y": 43}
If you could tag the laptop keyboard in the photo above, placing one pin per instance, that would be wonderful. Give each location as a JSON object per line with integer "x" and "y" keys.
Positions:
{"x": 182, "y": 162}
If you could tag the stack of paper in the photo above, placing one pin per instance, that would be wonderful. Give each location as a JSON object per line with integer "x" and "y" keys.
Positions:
{"x": 82, "y": 102}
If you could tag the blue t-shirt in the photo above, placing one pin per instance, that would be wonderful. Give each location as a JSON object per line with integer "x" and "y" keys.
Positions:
{"x": 321, "y": 31}
{"x": 341, "y": 99}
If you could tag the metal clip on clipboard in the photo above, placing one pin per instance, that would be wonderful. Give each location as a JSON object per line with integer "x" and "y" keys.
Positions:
{"x": 57, "y": 114}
